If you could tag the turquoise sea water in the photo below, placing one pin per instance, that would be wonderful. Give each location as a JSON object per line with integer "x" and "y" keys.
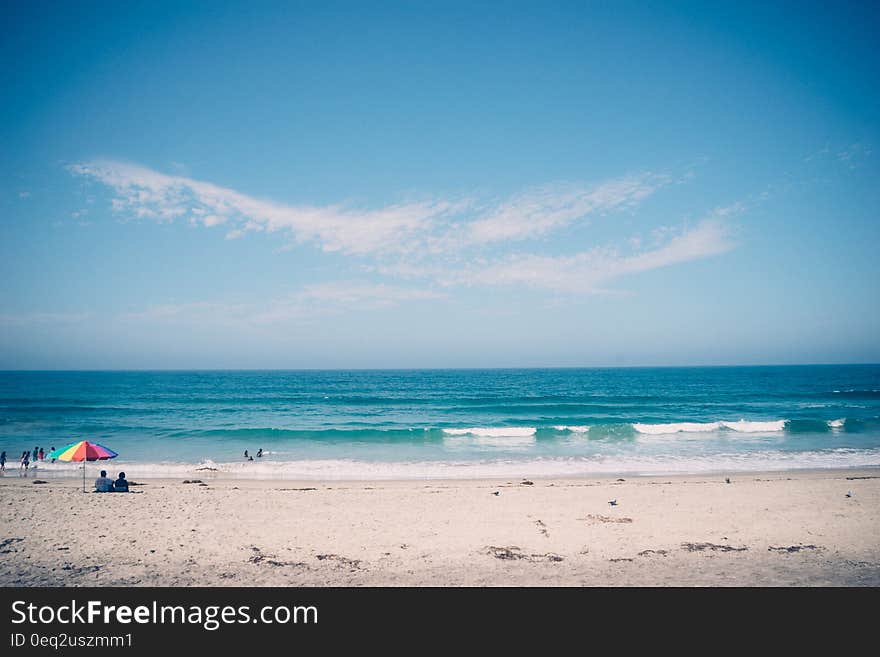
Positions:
{"x": 451, "y": 423}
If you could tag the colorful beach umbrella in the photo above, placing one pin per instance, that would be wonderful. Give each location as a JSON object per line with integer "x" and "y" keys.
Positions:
{"x": 83, "y": 450}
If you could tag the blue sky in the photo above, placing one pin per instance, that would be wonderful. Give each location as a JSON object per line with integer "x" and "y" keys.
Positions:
{"x": 298, "y": 185}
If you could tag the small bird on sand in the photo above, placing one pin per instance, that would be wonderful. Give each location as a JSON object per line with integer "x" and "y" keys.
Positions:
{"x": 497, "y": 493}
{"x": 613, "y": 502}
{"x": 849, "y": 493}
{"x": 727, "y": 480}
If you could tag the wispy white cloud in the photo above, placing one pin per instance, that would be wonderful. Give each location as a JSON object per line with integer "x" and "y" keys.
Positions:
{"x": 440, "y": 241}
{"x": 196, "y": 311}
{"x": 818, "y": 154}
{"x": 33, "y": 318}
{"x": 310, "y": 301}
{"x": 342, "y": 296}
{"x": 361, "y": 293}
{"x": 854, "y": 155}
{"x": 435, "y": 226}
{"x": 591, "y": 271}
{"x": 541, "y": 210}
{"x": 145, "y": 193}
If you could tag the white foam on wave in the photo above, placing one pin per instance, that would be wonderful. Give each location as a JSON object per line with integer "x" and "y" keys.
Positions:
{"x": 837, "y": 424}
{"x": 133, "y": 468}
{"x": 572, "y": 429}
{"x": 744, "y": 426}
{"x": 493, "y": 432}
{"x": 741, "y": 426}
{"x": 677, "y": 427}
{"x": 343, "y": 469}
{"x": 491, "y": 437}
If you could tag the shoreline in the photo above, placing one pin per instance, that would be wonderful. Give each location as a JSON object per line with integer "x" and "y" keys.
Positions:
{"x": 217, "y": 475}
{"x": 225, "y": 479}
{"x": 793, "y": 528}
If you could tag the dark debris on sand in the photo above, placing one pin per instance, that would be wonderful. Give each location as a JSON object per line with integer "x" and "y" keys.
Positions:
{"x": 713, "y": 547}
{"x": 793, "y": 548}
{"x": 592, "y": 517}
{"x": 269, "y": 559}
{"x": 80, "y": 570}
{"x": 7, "y": 542}
{"x": 513, "y": 553}
{"x": 353, "y": 564}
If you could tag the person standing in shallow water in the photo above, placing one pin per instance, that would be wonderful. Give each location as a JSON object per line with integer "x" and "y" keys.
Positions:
{"x": 3, "y": 461}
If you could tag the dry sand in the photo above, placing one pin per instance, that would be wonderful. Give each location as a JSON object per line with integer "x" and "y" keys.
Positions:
{"x": 779, "y": 529}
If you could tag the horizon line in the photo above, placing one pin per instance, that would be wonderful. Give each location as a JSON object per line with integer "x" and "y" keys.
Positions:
{"x": 441, "y": 369}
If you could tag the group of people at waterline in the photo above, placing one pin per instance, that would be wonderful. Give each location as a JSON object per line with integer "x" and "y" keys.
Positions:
{"x": 103, "y": 484}
{"x": 26, "y": 459}
{"x": 39, "y": 455}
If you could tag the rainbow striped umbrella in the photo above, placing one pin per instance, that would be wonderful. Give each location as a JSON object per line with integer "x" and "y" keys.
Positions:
{"x": 83, "y": 450}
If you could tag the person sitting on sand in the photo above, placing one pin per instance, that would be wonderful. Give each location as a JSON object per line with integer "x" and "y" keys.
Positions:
{"x": 121, "y": 484}
{"x": 104, "y": 484}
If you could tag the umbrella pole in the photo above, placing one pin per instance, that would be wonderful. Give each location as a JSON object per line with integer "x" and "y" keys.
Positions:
{"x": 84, "y": 476}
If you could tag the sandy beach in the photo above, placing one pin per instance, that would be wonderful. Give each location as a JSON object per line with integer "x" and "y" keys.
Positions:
{"x": 777, "y": 529}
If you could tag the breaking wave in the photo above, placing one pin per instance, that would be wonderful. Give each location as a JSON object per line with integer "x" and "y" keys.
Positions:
{"x": 493, "y": 432}
{"x": 741, "y": 426}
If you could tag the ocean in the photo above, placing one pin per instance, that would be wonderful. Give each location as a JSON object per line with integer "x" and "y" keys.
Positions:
{"x": 406, "y": 424}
